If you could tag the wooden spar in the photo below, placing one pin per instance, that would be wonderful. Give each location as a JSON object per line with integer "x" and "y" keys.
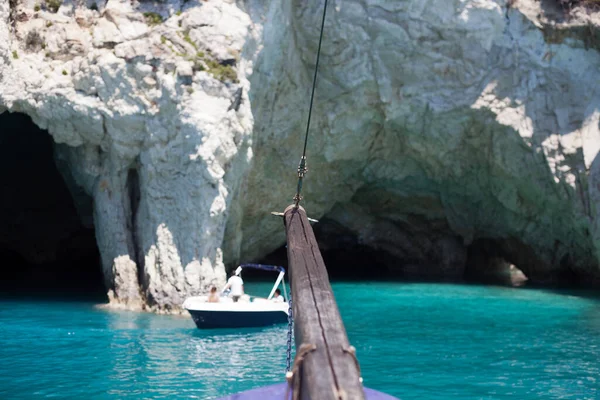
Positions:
{"x": 331, "y": 371}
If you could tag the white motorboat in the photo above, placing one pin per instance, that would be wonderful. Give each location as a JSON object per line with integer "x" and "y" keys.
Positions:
{"x": 249, "y": 311}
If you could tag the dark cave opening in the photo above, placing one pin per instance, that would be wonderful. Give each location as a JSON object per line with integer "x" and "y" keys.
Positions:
{"x": 45, "y": 247}
{"x": 345, "y": 257}
{"x": 343, "y": 264}
{"x": 488, "y": 262}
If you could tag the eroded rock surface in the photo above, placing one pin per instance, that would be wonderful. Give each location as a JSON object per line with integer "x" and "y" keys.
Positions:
{"x": 438, "y": 124}
{"x": 142, "y": 120}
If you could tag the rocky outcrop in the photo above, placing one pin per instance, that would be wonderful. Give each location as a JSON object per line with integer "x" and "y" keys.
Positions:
{"x": 438, "y": 125}
{"x": 151, "y": 121}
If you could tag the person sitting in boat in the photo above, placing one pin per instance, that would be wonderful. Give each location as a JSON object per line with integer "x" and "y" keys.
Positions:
{"x": 213, "y": 297}
{"x": 236, "y": 284}
{"x": 278, "y": 298}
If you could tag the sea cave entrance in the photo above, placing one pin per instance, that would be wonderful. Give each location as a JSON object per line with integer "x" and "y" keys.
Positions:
{"x": 345, "y": 257}
{"x": 423, "y": 258}
{"x": 47, "y": 241}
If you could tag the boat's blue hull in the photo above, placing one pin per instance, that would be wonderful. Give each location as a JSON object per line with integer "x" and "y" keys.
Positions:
{"x": 236, "y": 319}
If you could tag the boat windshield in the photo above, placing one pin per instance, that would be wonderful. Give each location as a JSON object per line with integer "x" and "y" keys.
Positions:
{"x": 264, "y": 267}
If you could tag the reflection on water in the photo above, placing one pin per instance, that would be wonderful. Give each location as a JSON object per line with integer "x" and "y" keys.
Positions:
{"x": 462, "y": 342}
{"x": 74, "y": 350}
{"x": 414, "y": 341}
{"x": 592, "y": 319}
{"x": 176, "y": 354}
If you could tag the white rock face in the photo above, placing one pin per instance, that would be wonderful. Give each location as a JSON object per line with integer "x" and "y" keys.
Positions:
{"x": 153, "y": 138}
{"x": 439, "y": 127}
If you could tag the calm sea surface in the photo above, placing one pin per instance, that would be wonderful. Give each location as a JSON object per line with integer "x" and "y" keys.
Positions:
{"x": 414, "y": 341}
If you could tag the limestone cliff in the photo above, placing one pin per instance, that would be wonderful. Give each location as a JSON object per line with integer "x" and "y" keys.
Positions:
{"x": 443, "y": 128}
{"x": 444, "y": 131}
{"x": 149, "y": 120}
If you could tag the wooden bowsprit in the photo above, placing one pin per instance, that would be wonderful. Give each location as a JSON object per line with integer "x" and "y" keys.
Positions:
{"x": 326, "y": 367}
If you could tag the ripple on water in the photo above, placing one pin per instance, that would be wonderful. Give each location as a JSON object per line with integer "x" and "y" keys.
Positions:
{"x": 422, "y": 341}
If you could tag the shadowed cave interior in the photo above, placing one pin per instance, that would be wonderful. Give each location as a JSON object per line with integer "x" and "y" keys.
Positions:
{"x": 47, "y": 244}
{"x": 347, "y": 259}
{"x": 47, "y": 240}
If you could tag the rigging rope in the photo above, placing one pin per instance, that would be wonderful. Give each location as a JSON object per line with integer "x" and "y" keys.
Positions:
{"x": 302, "y": 169}
{"x": 301, "y": 172}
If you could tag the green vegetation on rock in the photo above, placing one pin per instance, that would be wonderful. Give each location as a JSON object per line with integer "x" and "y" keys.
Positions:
{"x": 15, "y": 55}
{"x": 53, "y": 5}
{"x": 221, "y": 72}
{"x": 187, "y": 38}
{"x": 34, "y": 41}
{"x": 206, "y": 62}
{"x": 153, "y": 18}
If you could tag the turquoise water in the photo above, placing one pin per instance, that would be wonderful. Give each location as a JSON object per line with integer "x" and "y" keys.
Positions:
{"x": 414, "y": 341}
